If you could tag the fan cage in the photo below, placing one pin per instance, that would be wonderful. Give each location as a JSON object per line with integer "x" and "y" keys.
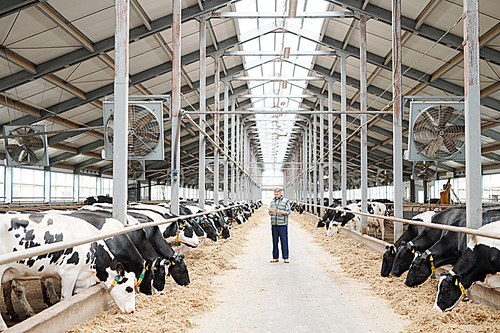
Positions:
{"x": 25, "y": 147}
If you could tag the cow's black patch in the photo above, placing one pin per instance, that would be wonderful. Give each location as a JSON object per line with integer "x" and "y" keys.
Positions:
{"x": 75, "y": 259}
{"x": 37, "y": 218}
{"x": 50, "y": 222}
{"x": 87, "y": 260}
{"x": 30, "y": 262}
{"x": 69, "y": 250}
{"x": 22, "y": 262}
{"x": 97, "y": 219}
{"x": 41, "y": 268}
{"x": 43, "y": 256}
{"x": 17, "y": 235}
{"x": 123, "y": 280}
{"x": 16, "y": 223}
{"x": 370, "y": 208}
{"x": 54, "y": 256}
{"x": 49, "y": 238}
{"x": 14, "y": 250}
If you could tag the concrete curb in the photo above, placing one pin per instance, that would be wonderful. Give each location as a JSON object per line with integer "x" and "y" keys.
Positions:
{"x": 479, "y": 293}
{"x": 61, "y": 316}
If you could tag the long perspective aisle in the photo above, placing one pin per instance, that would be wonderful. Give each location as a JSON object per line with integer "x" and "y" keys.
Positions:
{"x": 301, "y": 296}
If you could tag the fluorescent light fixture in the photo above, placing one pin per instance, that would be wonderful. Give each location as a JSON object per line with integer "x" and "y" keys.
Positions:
{"x": 286, "y": 53}
{"x": 284, "y": 84}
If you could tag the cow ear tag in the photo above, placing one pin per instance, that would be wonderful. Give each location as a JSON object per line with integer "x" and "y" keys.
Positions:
{"x": 412, "y": 250}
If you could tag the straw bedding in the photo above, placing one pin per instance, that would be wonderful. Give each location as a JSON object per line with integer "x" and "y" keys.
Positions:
{"x": 415, "y": 304}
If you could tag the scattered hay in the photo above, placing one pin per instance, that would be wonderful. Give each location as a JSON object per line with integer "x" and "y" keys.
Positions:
{"x": 173, "y": 310}
{"x": 415, "y": 304}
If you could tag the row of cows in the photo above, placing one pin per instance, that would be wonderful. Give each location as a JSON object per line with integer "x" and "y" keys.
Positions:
{"x": 136, "y": 261}
{"x": 420, "y": 250}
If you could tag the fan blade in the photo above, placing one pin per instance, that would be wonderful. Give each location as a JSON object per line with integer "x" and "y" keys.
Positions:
{"x": 424, "y": 135}
{"x": 429, "y": 119}
{"x": 433, "y": 147}
{"x": 449, "y": 144}
{"x": 457, "y": 130}
{"x": 34, "y": 142}
{"x": 444, "y": 116}
{"x": 32, "y": 158}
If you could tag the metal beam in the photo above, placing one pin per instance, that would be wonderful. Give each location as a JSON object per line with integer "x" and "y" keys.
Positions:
{"x": 256, "y": 15}
{"x": 278, "y": 54}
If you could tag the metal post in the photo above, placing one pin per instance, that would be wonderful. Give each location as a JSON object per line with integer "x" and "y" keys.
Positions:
{"x": 233, "y": 151}
{"x": 397, "y": 116}
{"x": 321, "y": 174}
{"x": 315, "y": 167}
{"x": 176, "y": 106}
{"x": 364, "y": 129}
{"x": 203, "y": 89}
{"x": 310, "y": 161}
{"x": 343, "y": 121}
{"x": 237, "y": 152}
{"x": 473, "y": 116}
{"x": 226, "y": 141}
{"x": 304, "y": 165}
{"x": 330, "y": 140}
{"x": 216, "y": 129}
{"x": 120, "y": 147}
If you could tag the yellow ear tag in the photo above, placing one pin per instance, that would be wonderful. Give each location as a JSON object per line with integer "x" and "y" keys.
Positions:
{"x": 392, "y": 251}
{"x": 464, "y": 294}
{"x": 412, "y": 250}
{"x": 456, "y": 282}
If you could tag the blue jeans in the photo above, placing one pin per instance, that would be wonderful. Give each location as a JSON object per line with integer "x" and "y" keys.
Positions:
{"x": 280, "y": 232}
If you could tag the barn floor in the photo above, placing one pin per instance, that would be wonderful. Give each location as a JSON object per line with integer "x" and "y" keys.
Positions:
{"x": 301, "y": 296}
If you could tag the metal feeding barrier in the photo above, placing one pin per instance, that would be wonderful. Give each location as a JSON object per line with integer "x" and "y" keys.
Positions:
{"x": 19, "y": 255}
{"x": 463, "y": 230}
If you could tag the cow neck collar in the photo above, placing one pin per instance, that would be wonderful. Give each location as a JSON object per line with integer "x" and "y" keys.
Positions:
{"x": 114, "y": 283}
{"x": 141, "y": 277}
{"x": 465, "y": 298}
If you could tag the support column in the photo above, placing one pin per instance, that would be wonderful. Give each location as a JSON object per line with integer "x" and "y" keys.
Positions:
{"x": 237, "y": 152}
{"x": 216, "y": 129}
{"x": 321, "y": 174}
{"x": 474, "y": 190}
{"x": 397, "y": 116}
{"x": 120, "y": 147}
{"x": 343, "y": 121}
{"x": 233, "y": 150}
{"x": 311, "y": 178}
{"x": 330, "y": 140}
{"x": 315, "y": 165}
{"x": 226, "y": 141}
{"x": 304, "y": 165}
{"x": 203, "y": 89}
{"x": 176, "y": 106}
{"x": 364, "y": 128}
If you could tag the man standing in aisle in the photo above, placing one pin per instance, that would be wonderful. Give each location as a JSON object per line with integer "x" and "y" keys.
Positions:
{"x": 279, "y": 209}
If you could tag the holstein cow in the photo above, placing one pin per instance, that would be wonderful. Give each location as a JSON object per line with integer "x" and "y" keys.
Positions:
{"x": 327, "y": 217}
{"x": 406, "y": 251}
{"x": 342, "y": 218}
{"x": 76, "y": 266}
{"x": 481, "y": 257}
{"x": 446, "y": 251}
{"x": 411, "y": 232}
{"x": 177, "y": 266}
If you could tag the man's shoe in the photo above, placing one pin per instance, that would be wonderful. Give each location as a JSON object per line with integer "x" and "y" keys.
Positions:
{"x": 287, "y": 261}
{"x": 275, "y": 260}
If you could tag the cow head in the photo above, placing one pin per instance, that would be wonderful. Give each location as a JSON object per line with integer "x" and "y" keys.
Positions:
{"x": 159, "y": 274}
{"x": 388, "y": 260}
{"x": 419, "y": 271}
{"x": 209, "y": 228}
{"x": 333, "y": 228}
{"x": 321, "y": 223}
{"x": 403, "y": 259}
{"x": 448, "y": 292}
{"x": 187, "y": 235}
{"x": 120, "y": 286}
{"x": 178, "y": 270}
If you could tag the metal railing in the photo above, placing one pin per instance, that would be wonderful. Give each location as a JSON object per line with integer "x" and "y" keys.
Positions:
{"x": 463, "y": 230}
{"x": 19, "y": 255}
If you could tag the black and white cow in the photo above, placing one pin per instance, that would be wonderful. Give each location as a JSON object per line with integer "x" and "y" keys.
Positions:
{"x": 406, "y": 251}
{"x": 342, "y": 218}
{"x": 482, "y": 257}
{"x": 327, "y": 217}
{"x": 446, "y": 251}
{"x": 76, "y": 266}
{"x": 410, "y": 233}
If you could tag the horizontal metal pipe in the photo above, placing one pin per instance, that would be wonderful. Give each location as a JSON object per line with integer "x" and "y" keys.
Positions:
{"x": 277, "y": 78}
{"x": 37, "y": 251}
{"x": 279, "y": 54}
{"x": 435, "y": 97}
{"x": 463, "y": 230}
{"x": 280, "y": 15}
{"x": 140, "y": 97}
{"x": 290, "y": 112}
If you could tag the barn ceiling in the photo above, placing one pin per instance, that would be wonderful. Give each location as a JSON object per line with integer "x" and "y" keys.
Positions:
{"x": 57, "y": 65}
